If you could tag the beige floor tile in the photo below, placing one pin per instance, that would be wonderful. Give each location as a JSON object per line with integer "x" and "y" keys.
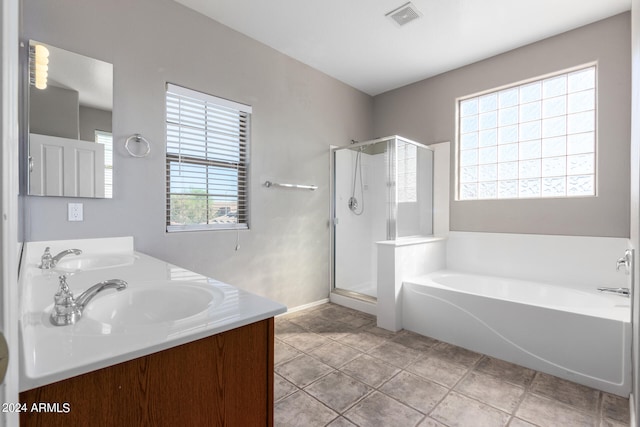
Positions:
{"x": 370, "y": 370}
{"x": 615, "y": 408}
{"x": 380, "y": 410}
{"x": 606, "y": 422}
{"x": 363, "y": 341}
{"x": 383, "y": 333}
{"x": 414, "y": 391}
{"x": 430, "y": 422}
{"x": 517, "y": 422}
{"x": 336, "y": 312}
{"x": 452, "y": 353}
{"x": 395, "y": 354}
{"x": 309, "y": 321}
{"x": 284, "y": 328}
{"x": 338, "y": 391}
{"x": 284, "y": 352}
{"x": 357, "y": 320}
{"x": 335, "y": 354}
{"x": 506, "y": 371}
{"x": 333, "y": 329}
{"x": 546, "y": 412}
{"x": 341, "y": 422}
{"x": 282, "y": 388}
{"x": 300, "y": 409}
{"x": 305, "y": 341}
{"x": 414, "y": 341}
{"x": 457, "y": 410}
{"x": 438, "y": 370}
{"x": 492, "y": 391}
{"x": 303, "y": 370}
{"x": 564, "y": 391}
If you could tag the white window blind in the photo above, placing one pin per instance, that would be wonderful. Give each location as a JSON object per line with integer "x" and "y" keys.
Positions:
{"x": 106, "y": 138}
{"x": 531, "y": 140}
{"x": 207, "y": 161}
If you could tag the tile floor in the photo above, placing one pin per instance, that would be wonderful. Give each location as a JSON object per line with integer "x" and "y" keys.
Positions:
{"x": 334, "y": 367}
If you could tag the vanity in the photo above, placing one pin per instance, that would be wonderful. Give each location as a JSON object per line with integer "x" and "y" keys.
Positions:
{"x": 172, "y": 348}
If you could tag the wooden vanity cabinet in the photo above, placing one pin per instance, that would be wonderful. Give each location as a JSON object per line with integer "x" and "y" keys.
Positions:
{"x": 222, "y": 380}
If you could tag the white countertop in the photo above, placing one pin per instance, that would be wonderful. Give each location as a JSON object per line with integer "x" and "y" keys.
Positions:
{"x": 53, "y": 353}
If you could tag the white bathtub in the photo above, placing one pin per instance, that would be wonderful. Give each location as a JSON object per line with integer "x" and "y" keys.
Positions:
{"x": 584, "y": 337}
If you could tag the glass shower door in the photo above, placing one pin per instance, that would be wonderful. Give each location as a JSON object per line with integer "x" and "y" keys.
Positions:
{"x": 360, "y": 216}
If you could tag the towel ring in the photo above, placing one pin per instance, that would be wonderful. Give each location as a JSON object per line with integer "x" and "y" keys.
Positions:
{"x": 138, "y": 138}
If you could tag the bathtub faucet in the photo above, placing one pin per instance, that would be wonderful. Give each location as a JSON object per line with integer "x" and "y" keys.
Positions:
{"x": 623, "y": 292}
{"x": 625, "y": 261}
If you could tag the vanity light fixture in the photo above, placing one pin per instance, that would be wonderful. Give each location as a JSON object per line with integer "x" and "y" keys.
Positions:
{"x": 39, "y": 66}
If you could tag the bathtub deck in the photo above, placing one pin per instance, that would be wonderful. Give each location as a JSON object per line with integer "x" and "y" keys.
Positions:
{"x": 334, "y": 367}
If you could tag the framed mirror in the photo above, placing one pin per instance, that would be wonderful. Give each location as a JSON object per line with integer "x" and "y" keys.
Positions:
{"x": 70, "y": 145}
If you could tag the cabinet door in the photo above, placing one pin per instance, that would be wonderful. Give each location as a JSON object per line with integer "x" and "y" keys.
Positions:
{"x": 222, "y": 380}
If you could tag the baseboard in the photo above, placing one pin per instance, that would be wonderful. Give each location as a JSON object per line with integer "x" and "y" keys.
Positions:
{"x": 304, "y": 306}
{"x": 632, "y": 411}
{"x": 355, "y": 304}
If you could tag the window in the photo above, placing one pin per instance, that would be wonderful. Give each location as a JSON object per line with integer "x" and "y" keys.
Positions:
{"x": 207, "y": 161}
{"x": 407, "y": 170}
{"x": 531, "y": 140}
{"x": 106, "y": 138}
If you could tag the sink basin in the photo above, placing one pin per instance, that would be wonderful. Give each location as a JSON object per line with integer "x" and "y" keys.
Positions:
{"x": 158, "y": 302}
{"x": 73, "y": 263}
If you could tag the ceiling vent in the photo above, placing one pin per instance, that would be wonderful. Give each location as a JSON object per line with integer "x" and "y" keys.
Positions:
{"x": 404, "y": 14}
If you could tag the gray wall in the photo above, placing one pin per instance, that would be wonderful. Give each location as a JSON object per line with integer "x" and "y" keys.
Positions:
{"x": 92, "y": 119}
{"x": 426, "y": 112}
{"x": 298, "y": 113}
{"x": 53, "y": 111}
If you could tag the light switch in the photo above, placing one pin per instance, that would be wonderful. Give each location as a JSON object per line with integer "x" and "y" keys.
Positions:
{"x": 75, "y": 212}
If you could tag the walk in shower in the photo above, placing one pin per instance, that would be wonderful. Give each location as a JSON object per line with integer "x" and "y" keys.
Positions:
{"x": 382, "y": 191}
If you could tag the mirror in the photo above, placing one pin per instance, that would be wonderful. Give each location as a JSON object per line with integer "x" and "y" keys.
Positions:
{"x": 69, "y": 121}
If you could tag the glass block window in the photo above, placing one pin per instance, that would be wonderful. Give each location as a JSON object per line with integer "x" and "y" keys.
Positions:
{"x": 407, "y": 173}
{"x": 532, "y": 140}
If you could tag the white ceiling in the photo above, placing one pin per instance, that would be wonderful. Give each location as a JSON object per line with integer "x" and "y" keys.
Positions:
{"x": 354, "y": 42}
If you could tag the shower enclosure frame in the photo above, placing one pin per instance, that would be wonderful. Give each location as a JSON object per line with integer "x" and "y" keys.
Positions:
{"x": 392, "y": 205}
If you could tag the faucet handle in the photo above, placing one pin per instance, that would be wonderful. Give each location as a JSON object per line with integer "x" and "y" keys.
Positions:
{"x": 46, "y": 261}
{"x": 625, "y": 261}
{"x": 64, "y": 294}
{"x": 65, "y": 310}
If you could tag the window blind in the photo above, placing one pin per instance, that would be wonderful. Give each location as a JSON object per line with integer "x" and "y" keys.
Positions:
{"x": 206, "y": 161}
{"x": 106, "y": 138}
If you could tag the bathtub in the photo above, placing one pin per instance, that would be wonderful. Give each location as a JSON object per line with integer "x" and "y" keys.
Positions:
{"x": 581, "y": 336}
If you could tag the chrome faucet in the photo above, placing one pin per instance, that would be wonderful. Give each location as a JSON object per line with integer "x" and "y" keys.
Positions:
{"x": 625, "y": 261}
{"x": 623, "y": 292}
{"x": 67, "y": 310}
{"x": 47, "y": 261}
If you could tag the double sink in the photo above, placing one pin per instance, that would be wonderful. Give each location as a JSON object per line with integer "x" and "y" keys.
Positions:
{"x": 139, "y": 303}
{"x": 161, "y": 307}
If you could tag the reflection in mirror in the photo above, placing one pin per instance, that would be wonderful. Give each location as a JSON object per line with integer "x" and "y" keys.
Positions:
{"x": 70, "y": 109}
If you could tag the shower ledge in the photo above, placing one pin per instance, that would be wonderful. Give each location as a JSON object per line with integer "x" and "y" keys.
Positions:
{"x": 413, "y": 240}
